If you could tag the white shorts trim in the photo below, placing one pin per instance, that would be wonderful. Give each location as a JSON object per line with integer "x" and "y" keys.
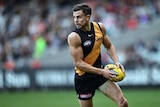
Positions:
{"x": 103, "y": 87}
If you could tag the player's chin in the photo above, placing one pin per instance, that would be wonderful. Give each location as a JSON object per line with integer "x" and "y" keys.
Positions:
{"x": 78, "y": 26}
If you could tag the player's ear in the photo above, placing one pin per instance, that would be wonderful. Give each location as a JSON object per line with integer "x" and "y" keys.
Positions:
{"x": 88, "y": 17}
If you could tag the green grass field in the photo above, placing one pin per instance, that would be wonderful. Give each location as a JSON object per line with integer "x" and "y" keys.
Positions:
{"x": 136, "y": 98}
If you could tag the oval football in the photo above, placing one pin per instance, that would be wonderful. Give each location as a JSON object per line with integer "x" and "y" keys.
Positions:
{"x": 120, "y": 75}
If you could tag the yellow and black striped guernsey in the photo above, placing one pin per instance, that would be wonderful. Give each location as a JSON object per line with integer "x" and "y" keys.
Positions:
{"x": 91, "y": 42}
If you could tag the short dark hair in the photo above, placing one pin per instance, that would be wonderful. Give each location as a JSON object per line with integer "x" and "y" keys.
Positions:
{"x": 84, "y": 7}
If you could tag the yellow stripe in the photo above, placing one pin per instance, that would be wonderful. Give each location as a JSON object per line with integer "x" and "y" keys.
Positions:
{"x": 93, "y": 55}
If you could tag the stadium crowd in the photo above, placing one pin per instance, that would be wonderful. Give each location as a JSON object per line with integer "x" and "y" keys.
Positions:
{"x": 29, "y": 28}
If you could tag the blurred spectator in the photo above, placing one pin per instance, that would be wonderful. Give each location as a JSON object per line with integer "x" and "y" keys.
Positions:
{"x": 5, "y": 50}
{"x": 142, "y": 12}
{"x": 131, "y": 22}
{"x": 40, "y": 46}
{"x": 2, "y": 23}
{"x": 156, "y": 4}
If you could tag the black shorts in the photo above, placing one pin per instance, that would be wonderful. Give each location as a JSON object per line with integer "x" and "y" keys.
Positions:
{"x": 86, "y": 85}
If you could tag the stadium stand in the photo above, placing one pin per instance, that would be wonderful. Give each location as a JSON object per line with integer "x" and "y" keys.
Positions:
{"x": 37, "y": 30}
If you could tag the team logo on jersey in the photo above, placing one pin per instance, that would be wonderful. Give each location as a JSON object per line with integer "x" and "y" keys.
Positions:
{"x": 99, "y": 38}
{"x": 87, "y": 43}
{"x": 90, "y": 35}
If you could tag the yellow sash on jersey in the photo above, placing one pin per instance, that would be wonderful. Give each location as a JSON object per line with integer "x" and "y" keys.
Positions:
{"x": 93, "y": 55}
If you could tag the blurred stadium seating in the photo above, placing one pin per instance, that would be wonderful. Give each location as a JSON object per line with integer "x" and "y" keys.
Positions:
{"x": 33, "y": 33}
{"x": 37, "y": 29}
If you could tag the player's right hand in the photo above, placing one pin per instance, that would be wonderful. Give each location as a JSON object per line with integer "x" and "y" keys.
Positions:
{"x": 109, "y": 74}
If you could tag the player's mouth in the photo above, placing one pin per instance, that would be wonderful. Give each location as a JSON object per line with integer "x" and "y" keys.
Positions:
{"x": 78, "y": 25}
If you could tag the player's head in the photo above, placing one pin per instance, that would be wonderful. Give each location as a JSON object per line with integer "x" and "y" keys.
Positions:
{"x": 81, "y": 14}
{"x": 86, "y": 9}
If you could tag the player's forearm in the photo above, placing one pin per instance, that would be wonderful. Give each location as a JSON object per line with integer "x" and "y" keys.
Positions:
{"x": 113, "y": 54}
{"x": 88, "y": 68}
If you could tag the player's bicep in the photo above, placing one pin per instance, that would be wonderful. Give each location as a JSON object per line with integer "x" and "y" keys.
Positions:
{"x": 75, "y": 47}
{"x": 106, "y": 41}
{"x": 76, "y": 53}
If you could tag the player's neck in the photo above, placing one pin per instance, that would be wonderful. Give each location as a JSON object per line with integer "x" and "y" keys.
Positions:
{"x": 87, "y": 27}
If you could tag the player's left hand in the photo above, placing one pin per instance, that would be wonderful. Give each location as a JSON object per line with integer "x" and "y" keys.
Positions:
{"x": 119, "y": 65}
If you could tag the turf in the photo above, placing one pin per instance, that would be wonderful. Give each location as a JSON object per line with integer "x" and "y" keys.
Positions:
{"x": 67, "y": 98}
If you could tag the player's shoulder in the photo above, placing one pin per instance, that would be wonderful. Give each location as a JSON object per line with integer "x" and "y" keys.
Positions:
{"x": 101, "y": 24}
{"x": 73, "y": 36}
